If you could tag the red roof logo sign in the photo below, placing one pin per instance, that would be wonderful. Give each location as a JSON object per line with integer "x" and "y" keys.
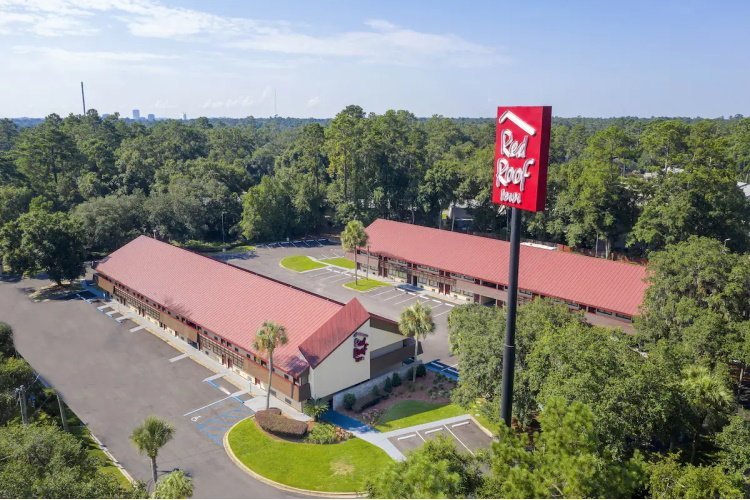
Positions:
{"x": 360, "y": 346}
{"x": 521, "y": 154}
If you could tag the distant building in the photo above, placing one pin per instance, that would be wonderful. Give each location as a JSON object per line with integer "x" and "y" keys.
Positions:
{"x": 184, "y": 116}
{"x": 151, "y": 117}
{"x": 136, "y": 114}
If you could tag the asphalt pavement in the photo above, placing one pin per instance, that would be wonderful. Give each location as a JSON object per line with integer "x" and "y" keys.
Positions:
{"x": 113, "y": 378}
{"x": 386, "y": 301}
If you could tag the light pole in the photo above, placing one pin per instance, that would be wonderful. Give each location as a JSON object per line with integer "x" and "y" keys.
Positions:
{"x": 725, "y": 242}
{"x": 222, "y": 232}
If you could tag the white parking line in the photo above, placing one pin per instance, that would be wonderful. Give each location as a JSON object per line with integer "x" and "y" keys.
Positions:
{"x": 460, "y": 424}
{"x": 344, "y": 278}
{"x": 224, "y": 390}
{"x": 462, "y": 443}
{"x": 401, "y": 294}
{"x": 433, "y": 430}
{"x": 213, "y": 377}
{"x": 406, "y": 437}
{"x": 318, "y": 275}
{"x": 137, "y": 328}
{"x": 440, "y": 314}
{"x": 103, "y": 307}
{"x": 334, "y": 276}
{"x": 177, "y": 358}
{"x": 382, "y": 293}
{"x": 110, "y": 313}
{"x": 217, "y": 401}
{"x": 437, "y": 301}
{"x": 121, "y": 318}
{"x": 407, "y": 300}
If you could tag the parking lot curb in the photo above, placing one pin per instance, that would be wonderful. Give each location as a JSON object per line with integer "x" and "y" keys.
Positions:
{"x": 270, "y": 482}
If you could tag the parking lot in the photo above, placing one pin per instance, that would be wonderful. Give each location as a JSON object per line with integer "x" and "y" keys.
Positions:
{"x": 114, "y": 374}
{"x": 388, "y": 301}
{"x": 466, "y": 435}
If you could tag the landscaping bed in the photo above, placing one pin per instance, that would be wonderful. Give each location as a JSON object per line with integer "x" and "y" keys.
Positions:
{"x": 365, "y": 284}
{"x": 340, "y": 262}
{"x": 335, "y": 468}
{"x": 300, "y": 263}
{"x": 404, "y": 405}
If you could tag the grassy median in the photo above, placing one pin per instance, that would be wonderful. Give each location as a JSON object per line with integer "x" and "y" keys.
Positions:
{"x": 342, "y": 467}
{"x": 408, "y": 413}
{"x": 340, "y": 262}
{"x": 300, "y": 263}
{"x": 365, "y": 284}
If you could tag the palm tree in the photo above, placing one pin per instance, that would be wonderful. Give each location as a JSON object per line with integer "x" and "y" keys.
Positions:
{"x": 176, "y": 484}
{"x": 352, "y": 237}
{"x": 150, "y": 437}
{"x": 268, "y": 337}
{"x": 416, "y": 321}
{"x": 708, "y": 397}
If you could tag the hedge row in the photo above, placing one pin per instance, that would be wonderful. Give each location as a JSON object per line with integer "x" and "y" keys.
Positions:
{"x": 274, "y": 422}
{"x": 366, "y": 402}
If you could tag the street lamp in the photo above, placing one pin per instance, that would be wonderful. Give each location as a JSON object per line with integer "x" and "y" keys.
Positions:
{"x": 725, "y": 242}
{"x": 223, "y": 249}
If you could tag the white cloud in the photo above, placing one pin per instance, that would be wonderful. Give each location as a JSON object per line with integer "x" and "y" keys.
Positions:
{"x": 380, "y": 42}
{"x": 313, "y": 102}
{"x": 66, "y": 56}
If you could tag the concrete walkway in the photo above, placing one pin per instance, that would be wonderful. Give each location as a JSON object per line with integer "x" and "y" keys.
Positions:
{"x": 382, "y": 439}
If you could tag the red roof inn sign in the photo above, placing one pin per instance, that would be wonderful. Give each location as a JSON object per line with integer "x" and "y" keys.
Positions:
{"x": 521, "y": 153}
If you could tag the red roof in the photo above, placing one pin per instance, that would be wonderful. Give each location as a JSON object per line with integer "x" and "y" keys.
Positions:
{"x": 227, "y": 300}
{"x": 333, "y": 332}
{"x": 604, "y": 284}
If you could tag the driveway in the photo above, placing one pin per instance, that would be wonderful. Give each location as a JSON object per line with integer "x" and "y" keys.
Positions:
{"x": 113, "y": 378}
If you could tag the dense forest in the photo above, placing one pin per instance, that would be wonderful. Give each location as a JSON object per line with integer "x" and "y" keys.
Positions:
{"x": 627, "y": 184}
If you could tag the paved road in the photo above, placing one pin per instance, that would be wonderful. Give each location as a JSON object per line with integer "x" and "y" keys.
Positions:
{"x": 113, "y": 379}
{"x": 266, "y": 262}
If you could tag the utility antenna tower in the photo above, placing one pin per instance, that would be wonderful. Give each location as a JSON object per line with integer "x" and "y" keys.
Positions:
{"x": 83, "y": 99}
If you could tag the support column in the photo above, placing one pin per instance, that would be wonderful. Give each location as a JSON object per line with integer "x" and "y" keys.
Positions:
{"x": 509, "y": 350}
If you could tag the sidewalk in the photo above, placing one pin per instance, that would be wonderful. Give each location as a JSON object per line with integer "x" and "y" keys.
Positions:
{"x": 382, "y": 439}
{"x": 259, "y": 395}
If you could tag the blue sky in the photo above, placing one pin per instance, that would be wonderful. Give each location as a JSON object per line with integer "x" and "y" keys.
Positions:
{"x": 455, "y": 58}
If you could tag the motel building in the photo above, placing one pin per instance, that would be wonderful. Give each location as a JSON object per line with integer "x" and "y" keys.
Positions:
{"x": 217, "y": 308}
{"x": 474, "y": 269}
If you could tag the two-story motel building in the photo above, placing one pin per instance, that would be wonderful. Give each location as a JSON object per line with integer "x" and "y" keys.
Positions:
{"x": 218, "y": 308}
{"x": 474, "y": 269}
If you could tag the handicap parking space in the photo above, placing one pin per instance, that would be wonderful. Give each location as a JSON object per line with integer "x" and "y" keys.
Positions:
{"x": 214, "y": 420}
{"x": 465, "y": 434}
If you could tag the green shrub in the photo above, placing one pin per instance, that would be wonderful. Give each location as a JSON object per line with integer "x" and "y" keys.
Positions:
{"x": 315, "y": 408}
{"x": 367, "y": 402}
{"x": 323, "y": 434}
{"x": 375, "y": 391}
{"x": 396, "y": 381}
{"x": 274, "y": 422}
{"x": 410, "y": 373}
{"x": 387, "y": 385}
{"x": 349, "y": 400}
{"x": 421, "y": 371}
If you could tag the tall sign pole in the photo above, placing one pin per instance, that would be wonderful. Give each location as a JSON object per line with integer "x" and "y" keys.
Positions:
{"x": 520, "y": 182}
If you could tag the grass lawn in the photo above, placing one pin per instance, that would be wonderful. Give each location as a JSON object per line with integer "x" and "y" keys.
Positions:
{"x": 341, "y": 262}
{"x": 342, "y": 467}
{"x": 93, "y": 450}
{"x": 408, "y": 413}
{"x": 364, "y": 284}
{"x": 300, "y": 263}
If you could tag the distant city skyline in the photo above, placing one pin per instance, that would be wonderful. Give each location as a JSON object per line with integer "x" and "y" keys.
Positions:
{"x": 299, "y": 59}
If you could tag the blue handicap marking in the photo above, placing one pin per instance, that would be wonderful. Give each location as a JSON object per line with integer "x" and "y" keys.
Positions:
{"x": 216, "y": 426}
